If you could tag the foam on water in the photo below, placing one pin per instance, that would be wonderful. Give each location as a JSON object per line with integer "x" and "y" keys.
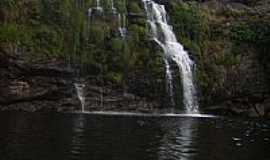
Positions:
{"x": 114, "y": 113}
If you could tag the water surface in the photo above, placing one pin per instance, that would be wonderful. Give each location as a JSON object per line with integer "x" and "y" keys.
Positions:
{"x": 36, "y": 136}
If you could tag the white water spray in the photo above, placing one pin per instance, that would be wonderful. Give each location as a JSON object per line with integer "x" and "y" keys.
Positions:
{"x": 169, "y": 79}
{"x": 99, "y": 8}
{"x": 163, "y": 34}
{"x": 89, "y": 16}
{"x": 80, "y": 94}
{"x": 122, "y": 25}
{"x": 114, "y": 10}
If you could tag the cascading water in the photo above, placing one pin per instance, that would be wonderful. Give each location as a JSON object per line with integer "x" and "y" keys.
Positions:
{"x": 99, "y": 8}
{"x": 121, "y": 21}
{"x": 113, "y": 8}
{"x": 89, "y": 16}
{"x": 169, "y": 80}
{"x": 122, "y": 25}
{"x": 80, "y": 94}
{"x": 164, "y": 36}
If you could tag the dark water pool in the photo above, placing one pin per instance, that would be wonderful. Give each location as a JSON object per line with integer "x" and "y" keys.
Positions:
{"x": 34, "y": 136}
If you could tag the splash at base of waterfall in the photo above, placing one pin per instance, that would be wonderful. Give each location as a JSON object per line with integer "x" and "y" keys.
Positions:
{"x": 114, "y": 113}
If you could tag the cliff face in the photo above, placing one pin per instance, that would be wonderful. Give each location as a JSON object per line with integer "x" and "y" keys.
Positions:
{"x": 83, "y": 41}
{"x": 46, "y": 47}
{"x": 50, "y": 86}
{"x": 228, "y": 41}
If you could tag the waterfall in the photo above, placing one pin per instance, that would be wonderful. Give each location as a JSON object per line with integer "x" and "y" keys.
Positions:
{"x": 121, "y": 21}
{"x": 99, "y": 8}
{"x": 114, "y": 10}
{"x": 80, "y": 94}
{"x": 169, "y": 79}
{"x": 89, "y": 16}
{"x": 98, "y": 3}
{"x": 122, "y": 25}
{"x": 163, "y": 34}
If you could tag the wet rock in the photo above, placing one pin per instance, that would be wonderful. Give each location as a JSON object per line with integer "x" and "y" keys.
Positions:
{"x": 49, "y": 86}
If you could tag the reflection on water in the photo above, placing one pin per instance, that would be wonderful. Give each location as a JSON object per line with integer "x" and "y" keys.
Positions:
{"x": 178, "y": 141}
{"x": 25, "y": 136}
{"x": 78, "y": 131}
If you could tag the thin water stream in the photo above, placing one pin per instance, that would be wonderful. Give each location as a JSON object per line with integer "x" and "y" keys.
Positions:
{"x": 80, "y": 93}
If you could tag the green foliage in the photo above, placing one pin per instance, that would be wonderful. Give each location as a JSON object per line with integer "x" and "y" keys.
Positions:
{"x": 114, "y": 77}
{"x": 256, "y": 34}
{"x": 121, "y": 5}
{"x": 61, "y": 29}
{"x": 98, "y": 33}
{"x": 7, "y": 3}
{"x": 191, "y": 26}
{"x": 134, "y": 7}
{"x": 47, "y": 41}
{"x": 189, "y": 21}
{"x": 243, "y": 33}
{"x": 10, "y": 33}
{"x": 117, "y": 45}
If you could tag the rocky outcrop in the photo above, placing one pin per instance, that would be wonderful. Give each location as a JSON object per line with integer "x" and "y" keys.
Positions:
{"x": 34, "y": 87}
{"x": 238, "y": 85}
{"x": 49, "y": 86}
